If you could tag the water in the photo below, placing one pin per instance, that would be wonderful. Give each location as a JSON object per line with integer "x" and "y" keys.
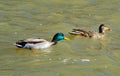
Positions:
{"x": 43, "y": 18}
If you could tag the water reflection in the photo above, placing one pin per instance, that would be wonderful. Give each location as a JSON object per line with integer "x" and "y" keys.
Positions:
{"x": 92, "y": 44}
{"x": 34, "y": 51}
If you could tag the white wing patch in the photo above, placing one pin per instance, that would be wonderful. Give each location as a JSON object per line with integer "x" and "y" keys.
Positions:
{"x": 33, "y": 40}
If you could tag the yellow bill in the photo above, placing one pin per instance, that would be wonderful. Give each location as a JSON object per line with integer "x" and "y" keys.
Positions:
{"x": 65, "y": 38}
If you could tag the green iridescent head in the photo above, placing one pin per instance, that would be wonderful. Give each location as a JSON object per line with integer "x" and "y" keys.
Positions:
{"x": 59, "y": 36}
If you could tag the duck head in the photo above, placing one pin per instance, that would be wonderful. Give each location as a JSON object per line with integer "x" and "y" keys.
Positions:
{"x": 103, "y": 28}
{"x": 59, "y": 36}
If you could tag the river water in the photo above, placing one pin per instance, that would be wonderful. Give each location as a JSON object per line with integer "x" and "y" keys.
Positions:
{"x": 21, "y": 19}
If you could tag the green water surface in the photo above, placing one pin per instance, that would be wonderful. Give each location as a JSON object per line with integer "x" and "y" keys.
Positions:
{"x": 21, "y": 19}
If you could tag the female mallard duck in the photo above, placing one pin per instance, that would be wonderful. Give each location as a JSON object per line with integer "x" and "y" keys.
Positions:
{"x": 37, "y": 43}
{"x": 91, "y": 34}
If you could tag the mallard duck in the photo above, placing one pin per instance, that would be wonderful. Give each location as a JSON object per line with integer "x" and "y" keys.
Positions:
{"x": 91, "y": 34}
{"x": 37, "y": 43}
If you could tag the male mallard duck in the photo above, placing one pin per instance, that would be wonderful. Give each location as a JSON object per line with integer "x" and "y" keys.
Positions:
{"x": 91, "y": 34}
{"x": 37, "y": 43}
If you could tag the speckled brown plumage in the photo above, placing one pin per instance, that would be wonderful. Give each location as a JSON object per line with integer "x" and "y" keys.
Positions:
{"x": 91, "y": 34}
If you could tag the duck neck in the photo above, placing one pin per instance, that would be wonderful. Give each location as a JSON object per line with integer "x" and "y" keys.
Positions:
{"x": 54, "y": 43}
{"x": 101, "y": 31}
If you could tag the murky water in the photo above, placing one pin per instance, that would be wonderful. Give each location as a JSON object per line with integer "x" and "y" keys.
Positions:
{"x": 21, "y": 19}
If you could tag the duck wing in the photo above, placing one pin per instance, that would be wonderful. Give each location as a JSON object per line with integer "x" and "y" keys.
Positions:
{"x": 80, "y": 32}
{"x": 92, "y": 33}
{"x": 22, "y": 43}
{"x": 35, "y": 40}
{"x": 84, "y": 33}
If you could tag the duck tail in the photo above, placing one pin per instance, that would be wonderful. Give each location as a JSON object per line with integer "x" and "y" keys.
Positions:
{"x": 20, "y": 44}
